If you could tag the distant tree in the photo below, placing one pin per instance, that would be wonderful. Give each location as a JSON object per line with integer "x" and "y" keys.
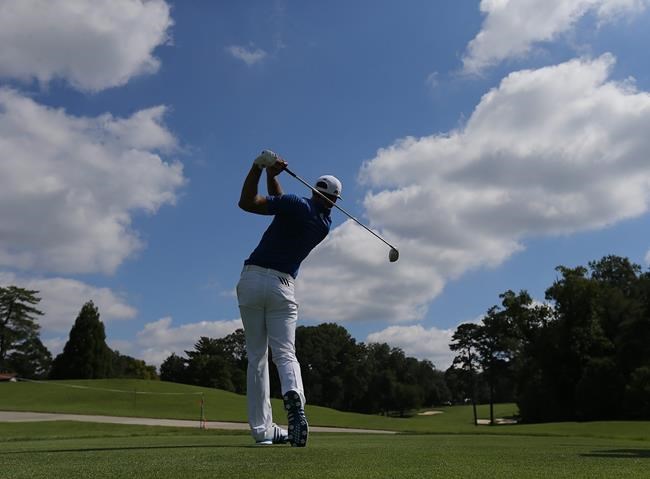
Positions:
{"x": 208, "y": 365}
{"x": 637, "y": 394}
{"x": 432, "y": 384}
{"x": 214, "y": 362}
{"x": 234, "y": 349}
{"x": 599, "y": 392}
{"x": 329, "y": 359}
{"x": 85, "y": 354}
{"x": 465, "y": 343}
{"x": 173, "y": 369}
{"x": 585, "y": 357}
{"x": 18, "y": 326}
{"x": 31, "y": 359}
{"x": 127, "y": 367}
{"x": 496, "y": 346}
{"x": 337, "y": 371}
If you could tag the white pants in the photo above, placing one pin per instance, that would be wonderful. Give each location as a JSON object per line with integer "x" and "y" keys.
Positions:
{"x": 269, "y": 312}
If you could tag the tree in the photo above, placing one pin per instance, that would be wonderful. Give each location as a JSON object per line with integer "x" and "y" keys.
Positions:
{"x": 17, "y": 320}
{"x": 208, "y": 366}
{"x": 586, "y": 357}
{"x": 637, "y": 394}
{"x": 465, "y": 341}
{"x": 31, "y": 359}
{"x": 127, "y": 367}
{"x": 85, "y": 354}
{"x": 173, "y": 369}
{"x": 329, "y": 360}
{"x": 217, "y": 363}
{"x": 432, "y": 383}
{"x": 495, "y": 345}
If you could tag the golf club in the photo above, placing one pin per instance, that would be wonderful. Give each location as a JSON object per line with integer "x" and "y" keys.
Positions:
{"x": 393, "y": 254}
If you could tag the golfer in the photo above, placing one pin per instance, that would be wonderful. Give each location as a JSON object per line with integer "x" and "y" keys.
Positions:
{"x": 265, "y": 292}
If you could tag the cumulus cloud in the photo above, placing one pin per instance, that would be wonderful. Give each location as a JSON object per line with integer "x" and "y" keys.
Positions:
{"x": 91, "y": 45}
{"x": 69, "y": 185}
{"x": 349, "y": 278}
{"x": 551, "y": 151}
{"x": 249, "y": 55}
{"x": 419, "y": 342}
{"x": 511, "y": 27}
{"x": 62, "y": 299}
{"x": 159, "y": 339}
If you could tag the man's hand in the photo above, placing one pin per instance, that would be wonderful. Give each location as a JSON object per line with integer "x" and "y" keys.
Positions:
{"x": 266, "y": 159}
{"x": 276, "y": 168}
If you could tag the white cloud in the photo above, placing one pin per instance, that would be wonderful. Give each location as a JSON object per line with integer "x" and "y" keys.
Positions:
{"x": 69, "y": 185}
{"x": 432, "y": 80}
{"x": 349, "y": 278}
{"x": 511, "y": 27}
{"x": 54, "y": 345}
{"x": 62, "y": 299}
{"x": 249, "y": 56}
{"x": 159, "y": 339}
{"x": 91, "y": 45}
{"x": 647, "y": 258}
{"x": 551, "y": 151}
{"x": 419, "y": 342}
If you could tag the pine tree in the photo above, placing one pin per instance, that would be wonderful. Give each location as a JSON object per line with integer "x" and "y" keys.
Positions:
{"x": 17, "y": 320}
{"x": 85, "y": 355}
{"x": 31, "y": 359}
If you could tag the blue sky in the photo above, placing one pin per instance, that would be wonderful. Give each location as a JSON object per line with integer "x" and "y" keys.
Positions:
{"x": 489, "y": 141}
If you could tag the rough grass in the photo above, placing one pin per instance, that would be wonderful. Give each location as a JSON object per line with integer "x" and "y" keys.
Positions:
{"x": 158, "y": 399}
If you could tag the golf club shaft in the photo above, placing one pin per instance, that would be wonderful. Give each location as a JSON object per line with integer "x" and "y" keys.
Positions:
{"x": 337, "y": 206}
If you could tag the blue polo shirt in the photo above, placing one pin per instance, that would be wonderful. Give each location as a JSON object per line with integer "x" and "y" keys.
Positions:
{"x": 299, "y": 224}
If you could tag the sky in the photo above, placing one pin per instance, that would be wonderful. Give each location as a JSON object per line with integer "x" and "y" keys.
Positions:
{"x": 490, "y": 141}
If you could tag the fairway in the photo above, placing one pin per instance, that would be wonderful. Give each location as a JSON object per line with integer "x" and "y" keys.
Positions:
{"x": 78, "y": 450}
{"x": 159, "y": 399}
{"x": 446, "y": 444}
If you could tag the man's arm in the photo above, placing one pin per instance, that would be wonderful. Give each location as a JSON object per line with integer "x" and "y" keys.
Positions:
{"x": 272, "y": 183}
{"x": 250, "y": 200}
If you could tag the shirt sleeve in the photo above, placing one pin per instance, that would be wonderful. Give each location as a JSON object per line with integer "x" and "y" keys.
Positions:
{"x": 284, "y": 204}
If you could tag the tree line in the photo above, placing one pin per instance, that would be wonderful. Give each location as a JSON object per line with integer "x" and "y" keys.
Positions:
{"x": 337, "y": 371}
{"x": 85, "y": 355}
{"x": 583, "y": 356}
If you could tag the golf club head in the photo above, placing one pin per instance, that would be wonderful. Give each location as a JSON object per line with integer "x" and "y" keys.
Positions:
{"x": 393, "y": 255}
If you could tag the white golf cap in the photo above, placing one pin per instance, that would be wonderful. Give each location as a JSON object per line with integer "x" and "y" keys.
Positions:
{"x": 330, "y": 185}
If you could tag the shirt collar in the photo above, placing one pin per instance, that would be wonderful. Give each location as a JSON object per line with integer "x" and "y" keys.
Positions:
{"x": 320, "y": 208}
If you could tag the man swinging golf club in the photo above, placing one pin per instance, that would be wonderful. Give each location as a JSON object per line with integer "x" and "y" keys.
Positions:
{"x": 265, "y": 292}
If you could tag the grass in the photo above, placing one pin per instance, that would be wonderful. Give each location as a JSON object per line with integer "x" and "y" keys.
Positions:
{"x": 442, "y": 445}
{"x": 82, "y": 450}
{"x": 178, "y": 401}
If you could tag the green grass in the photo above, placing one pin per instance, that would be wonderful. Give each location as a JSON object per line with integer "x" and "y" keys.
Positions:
{"x": 442, "y": 445}
{"x": 179, "y": 401}
{"x": 82, "y": 450}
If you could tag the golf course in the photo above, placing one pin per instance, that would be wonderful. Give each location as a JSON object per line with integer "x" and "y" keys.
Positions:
{"x": 444, "y": 444}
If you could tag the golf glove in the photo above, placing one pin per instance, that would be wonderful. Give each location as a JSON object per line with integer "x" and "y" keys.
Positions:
{"x": 267, "y": 158}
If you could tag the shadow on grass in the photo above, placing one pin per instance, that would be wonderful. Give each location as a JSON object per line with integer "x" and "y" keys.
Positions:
{"x": 139, "y": 448}
{"x": 620, "y": 454}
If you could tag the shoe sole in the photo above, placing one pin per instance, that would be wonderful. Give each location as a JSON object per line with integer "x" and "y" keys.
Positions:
{"x": 298, "y": 429}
